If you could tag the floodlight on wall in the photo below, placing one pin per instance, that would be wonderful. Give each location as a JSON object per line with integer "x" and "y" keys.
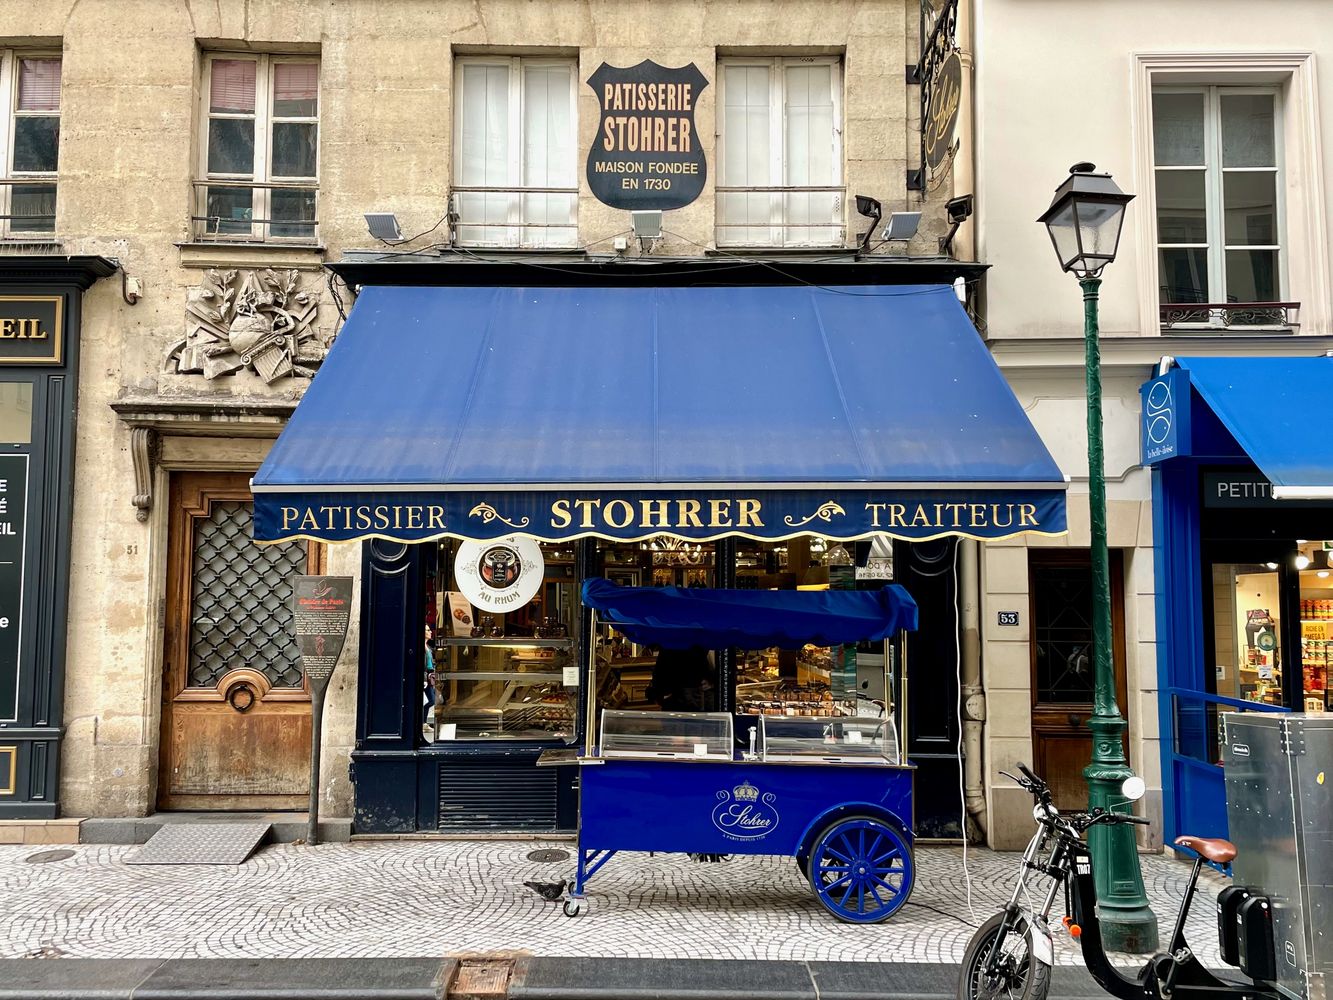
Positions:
{"x": 902, "y": 227}
{"x": 872, "y": 210}
{"x": 647, "y": 224}
{"x": 383, "y": 226}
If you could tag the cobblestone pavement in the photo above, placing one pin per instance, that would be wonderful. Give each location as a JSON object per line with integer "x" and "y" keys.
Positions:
{"x": 417, "y": 898}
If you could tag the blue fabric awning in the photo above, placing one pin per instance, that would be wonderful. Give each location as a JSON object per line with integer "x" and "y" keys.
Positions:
{"x": 679, "y": 618}
{"x": 1264, "y": 402}
{"x": 629, "y": 412}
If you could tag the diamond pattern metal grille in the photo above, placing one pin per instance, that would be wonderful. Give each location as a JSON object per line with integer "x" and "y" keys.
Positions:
{"x": 1063, "y": 633}
{"x": 240, "y": 600}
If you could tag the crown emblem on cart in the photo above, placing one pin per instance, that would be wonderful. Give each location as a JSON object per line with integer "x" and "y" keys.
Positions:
{"x": 745, "y": 792}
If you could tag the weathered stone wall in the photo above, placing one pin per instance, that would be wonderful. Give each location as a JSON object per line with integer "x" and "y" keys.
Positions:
{"x": 130, "y": 119}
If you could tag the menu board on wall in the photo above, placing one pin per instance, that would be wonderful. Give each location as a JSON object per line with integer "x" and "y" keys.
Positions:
{"x": 13, "y": 508}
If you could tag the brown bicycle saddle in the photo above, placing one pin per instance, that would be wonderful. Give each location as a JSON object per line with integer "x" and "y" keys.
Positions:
{"x": 1217, "y": 850}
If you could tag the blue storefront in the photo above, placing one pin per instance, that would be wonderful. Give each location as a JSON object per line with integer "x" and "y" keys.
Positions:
{"x": 689, "y": 422}
{"x": 1242, "y": 474}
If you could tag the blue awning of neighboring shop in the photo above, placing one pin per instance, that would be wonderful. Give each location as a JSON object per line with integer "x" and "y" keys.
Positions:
{"x": 629, "y": 412}
{"x": 1264, "y": 402}
{"x": 680, "y": 618}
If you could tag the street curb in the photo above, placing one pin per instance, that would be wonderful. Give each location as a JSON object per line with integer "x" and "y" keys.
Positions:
{"x": 705, "y": 979}
{"x": 225, "y": 979}
{"x": 533, "y": 979}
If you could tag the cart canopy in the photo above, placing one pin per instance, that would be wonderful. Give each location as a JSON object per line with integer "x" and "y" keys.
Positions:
{"x": 679, "y": 618}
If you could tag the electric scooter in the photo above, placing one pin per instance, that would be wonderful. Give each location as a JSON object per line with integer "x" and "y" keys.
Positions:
{"x": 1011, "y": 954}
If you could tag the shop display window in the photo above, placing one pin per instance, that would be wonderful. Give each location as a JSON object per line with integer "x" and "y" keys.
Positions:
{"x": 1261, "y": 626}
{"x": 625, "y": 669}
{"x": 1247, "y": 605}
{"x": 814, "y": 681}
{"x": 1316, "y": 611}
{"x": 501, "y": 675}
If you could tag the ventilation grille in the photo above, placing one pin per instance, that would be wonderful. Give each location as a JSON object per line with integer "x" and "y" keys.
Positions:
{"x": 497, "y": 793}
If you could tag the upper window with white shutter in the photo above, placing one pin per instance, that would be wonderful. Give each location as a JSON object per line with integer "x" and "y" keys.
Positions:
{"x": 780, "y": 149}
{"x": 30, "y": 90}
{"x": 515, "y": 152}
{"x": 1220, "y": 226}
{"x": 259, "y": 175}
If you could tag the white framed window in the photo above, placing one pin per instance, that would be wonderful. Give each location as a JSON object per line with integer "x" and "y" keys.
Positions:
{"x": 1217, "y": 163}
{"x": 30, "y": 92}
{"x": 780, "y": 151}
{"x": 259, "y": 148}
{"x": 515, "y": 151}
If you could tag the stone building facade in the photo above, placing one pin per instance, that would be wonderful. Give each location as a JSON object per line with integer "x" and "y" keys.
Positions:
{"x": 221, "y": 152}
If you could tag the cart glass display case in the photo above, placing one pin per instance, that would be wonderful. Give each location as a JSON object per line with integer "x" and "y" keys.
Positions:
{"x": 852, "y": 739}
{"x": 679, "y": 735}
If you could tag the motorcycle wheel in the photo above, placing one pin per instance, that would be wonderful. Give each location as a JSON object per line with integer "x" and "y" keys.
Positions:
{"x": 1021, "y": 976}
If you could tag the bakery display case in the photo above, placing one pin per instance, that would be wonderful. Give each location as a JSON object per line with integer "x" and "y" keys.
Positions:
{"x": 505, "y": 688}
{"x": 678, "y": 735}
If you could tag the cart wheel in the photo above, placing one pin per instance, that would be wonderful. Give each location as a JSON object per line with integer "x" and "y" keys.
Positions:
{"x": 573, "y": 907}
{"x": 861, "y": 869}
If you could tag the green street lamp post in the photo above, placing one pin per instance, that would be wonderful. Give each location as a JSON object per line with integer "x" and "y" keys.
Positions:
{"x": 1084, "y": 222}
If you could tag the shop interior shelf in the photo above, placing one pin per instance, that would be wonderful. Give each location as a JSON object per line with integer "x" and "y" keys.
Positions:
{"x": 509, "y": 641}
{"x": 513, "y": 676}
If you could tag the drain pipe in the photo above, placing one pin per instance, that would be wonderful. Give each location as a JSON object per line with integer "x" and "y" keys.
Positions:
{"x": 970, "y": 690}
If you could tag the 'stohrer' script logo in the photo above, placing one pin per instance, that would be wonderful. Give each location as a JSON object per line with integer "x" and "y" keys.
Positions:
{"x": 745, "y": 813}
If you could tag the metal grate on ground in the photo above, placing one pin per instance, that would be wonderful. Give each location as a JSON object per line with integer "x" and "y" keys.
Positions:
{"x": 200, "y": 844}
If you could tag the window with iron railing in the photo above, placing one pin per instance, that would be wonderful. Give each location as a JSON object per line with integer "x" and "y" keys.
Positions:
{"x": 1220, "y": 226}
{"x": 780, "y": 153}
{"x": 515, "y": 159}
{"x": 259, "y": 179}
{"x": 30, "y": 92}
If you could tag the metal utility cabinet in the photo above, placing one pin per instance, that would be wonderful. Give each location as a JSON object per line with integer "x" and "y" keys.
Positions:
{"x": 1279, "y": 782}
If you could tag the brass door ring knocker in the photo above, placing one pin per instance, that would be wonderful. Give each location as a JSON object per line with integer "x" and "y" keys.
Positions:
{"x": 241, "y": 697}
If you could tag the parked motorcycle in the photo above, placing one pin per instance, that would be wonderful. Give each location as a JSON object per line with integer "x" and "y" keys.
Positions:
{"x": 1011, "y": 954}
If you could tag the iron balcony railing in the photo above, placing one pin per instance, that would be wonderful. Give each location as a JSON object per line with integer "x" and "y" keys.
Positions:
{"x": 235, "y": 211}
{"x": 781, "y": 210}
{"x": 489, "y": 215}
{"x": 29, "y": 205}
{"x": 1238, "y": 316}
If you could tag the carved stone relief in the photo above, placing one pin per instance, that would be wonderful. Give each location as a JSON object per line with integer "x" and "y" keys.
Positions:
{"x": 258, "y": 319}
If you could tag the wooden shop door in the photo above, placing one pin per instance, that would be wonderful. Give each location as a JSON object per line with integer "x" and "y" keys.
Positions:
{"x": 235, "y": 709}
{"x": 1060, "y": 593}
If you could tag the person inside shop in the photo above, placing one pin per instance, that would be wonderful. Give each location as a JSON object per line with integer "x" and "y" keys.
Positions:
{"x": 430, "y": 694}
{"x": 682, "y": 679}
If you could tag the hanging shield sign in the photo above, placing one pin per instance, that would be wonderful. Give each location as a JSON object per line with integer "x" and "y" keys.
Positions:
{"x": 647, "y": 153}
{"x": 321, "y": 611}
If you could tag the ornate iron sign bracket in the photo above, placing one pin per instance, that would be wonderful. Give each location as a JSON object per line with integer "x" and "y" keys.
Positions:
{"x": 937, "y": 73}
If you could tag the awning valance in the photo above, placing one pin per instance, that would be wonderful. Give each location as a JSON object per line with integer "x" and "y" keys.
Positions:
{"x": 679, "y": 618}
{"x": 629, "y": 412}
{"x": 1264, "y": 403}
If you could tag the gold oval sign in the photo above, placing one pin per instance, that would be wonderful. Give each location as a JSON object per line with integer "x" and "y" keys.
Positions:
{"x": 942, "y": 111}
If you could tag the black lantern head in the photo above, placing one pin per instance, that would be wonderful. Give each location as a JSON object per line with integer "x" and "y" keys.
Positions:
{"x": 1084, "y": 220}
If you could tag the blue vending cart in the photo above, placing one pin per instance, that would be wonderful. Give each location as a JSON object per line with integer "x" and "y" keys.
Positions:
{"x": 832, "y": 792}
